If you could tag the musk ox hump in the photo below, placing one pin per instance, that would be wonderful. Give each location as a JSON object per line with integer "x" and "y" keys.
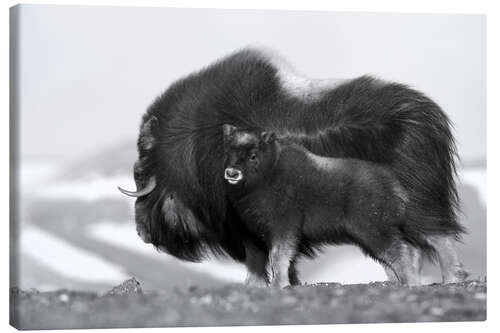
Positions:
{"x": 294, "y": 83}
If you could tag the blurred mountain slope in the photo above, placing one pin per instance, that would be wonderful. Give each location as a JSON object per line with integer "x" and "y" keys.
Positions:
{"x": 115, "y": 160}
{"x": 83, "y": 193}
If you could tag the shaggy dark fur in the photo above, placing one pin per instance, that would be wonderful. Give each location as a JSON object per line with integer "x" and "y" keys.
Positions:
{"x": 286, "y": 195}
{"x": 365, "y": 118}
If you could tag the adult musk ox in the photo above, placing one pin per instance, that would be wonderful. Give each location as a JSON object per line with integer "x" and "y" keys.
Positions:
{"x": 285, "y": 194}
{"x": 182, "y": 206}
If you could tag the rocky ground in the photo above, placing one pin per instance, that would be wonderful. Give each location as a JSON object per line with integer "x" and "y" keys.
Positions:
{"x": 127, "y": 305}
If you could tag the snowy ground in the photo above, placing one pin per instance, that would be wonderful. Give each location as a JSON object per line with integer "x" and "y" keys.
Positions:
{"x": 232, "y": 304}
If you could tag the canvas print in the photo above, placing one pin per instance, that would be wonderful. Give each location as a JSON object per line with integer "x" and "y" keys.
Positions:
{"x": 206, "y": 167}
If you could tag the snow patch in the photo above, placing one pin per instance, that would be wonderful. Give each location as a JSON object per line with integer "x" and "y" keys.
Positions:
{"x": 348, "y": 267}
{"x": 475, "y": 177}
{"x": 67, "y": 260}
{"x": 89, "y": 189}
{"x": 125, "y": 236}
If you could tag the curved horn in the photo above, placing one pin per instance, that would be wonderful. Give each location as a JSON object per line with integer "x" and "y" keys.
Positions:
{"x": 148, "y": 189}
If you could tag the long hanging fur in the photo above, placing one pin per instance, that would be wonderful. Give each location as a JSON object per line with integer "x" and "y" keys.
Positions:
{"x": 188, "y": 214}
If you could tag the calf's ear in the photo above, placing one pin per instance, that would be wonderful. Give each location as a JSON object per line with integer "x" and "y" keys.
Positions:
{"x": 268, "y": 137}
{"x": 228, "y": 129}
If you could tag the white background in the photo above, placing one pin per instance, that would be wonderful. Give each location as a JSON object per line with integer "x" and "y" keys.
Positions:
{"x": 89, "y": 73}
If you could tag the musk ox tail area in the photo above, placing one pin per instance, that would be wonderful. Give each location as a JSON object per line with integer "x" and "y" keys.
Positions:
{"x": 180, "y": 144}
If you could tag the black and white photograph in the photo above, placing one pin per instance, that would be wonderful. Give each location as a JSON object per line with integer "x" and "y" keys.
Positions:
{"x": 187, "y": 167}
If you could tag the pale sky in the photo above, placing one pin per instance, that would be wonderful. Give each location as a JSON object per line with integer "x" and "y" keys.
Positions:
{"x": 87, "y": 74}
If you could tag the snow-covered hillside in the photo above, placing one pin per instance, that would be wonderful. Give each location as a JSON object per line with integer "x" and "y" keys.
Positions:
{"x": 93, "y": 254}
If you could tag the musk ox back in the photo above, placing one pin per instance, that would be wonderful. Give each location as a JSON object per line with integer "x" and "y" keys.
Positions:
{"x": 182, "y": 205}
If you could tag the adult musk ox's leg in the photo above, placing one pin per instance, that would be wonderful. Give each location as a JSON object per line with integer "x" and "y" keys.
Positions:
{"x": 256, "y": 261}
{"x": 283, "y": 251}
{"x": 452, "y": 270}
{"x": 292, "y": 273}
{"x": 403, "y": 263}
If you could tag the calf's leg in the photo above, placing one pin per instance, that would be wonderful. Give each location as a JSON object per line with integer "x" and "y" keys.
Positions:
{"x": 391, "y": 275}
{"x": 292, "y": 273}
{"x": 282, "y": 253}
{"x": 256, "y": 261}
{"x": 452, "y": 270}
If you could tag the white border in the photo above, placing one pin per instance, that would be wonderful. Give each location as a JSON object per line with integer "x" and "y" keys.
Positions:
{"x": 421, "y": 6}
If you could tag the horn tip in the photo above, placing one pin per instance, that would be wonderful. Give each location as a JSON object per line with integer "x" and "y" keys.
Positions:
{"x": 122, "y": 190}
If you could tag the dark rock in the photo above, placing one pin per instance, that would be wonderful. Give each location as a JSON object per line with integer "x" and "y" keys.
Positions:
{"x": 15, "y": 291}
{"x": 130, "y": 286}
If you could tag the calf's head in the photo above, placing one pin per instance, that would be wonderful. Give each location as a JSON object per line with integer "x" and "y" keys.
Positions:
{"x": 248, "y": 155}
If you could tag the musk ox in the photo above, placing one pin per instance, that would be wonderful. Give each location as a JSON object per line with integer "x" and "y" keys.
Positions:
{"x": 285, "y": 194}
{"x": 182, "y": 204}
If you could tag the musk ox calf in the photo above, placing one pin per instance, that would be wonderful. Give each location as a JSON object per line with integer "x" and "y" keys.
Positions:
{"x": 182, "y": 202}
{"x": 284, "y": 194}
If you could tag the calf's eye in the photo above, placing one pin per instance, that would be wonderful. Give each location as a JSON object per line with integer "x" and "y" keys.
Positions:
{"x": 253, "y": 157}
